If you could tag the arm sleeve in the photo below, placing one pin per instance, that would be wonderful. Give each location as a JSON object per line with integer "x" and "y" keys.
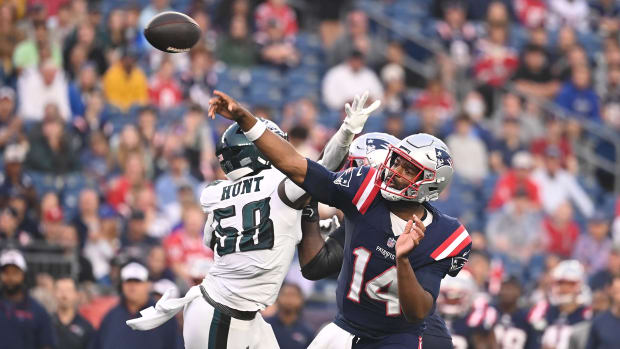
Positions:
{"x": 327, "y": 261}
{"x": 430, "y": 276}
{"x": 338, "y": 235}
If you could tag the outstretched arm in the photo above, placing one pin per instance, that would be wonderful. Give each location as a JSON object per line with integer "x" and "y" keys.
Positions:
{"x": 277, "y": 150}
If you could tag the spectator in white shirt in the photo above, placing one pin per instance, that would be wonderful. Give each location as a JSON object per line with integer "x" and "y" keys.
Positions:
{"x": 468, "y": 151}
{"x": 573, "y": 13}
{"x": 348, "y": 79}
{"x": 558, "y": 185}
{"x": 42, "y": 86}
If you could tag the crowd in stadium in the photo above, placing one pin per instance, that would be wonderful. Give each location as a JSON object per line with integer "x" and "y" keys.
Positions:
{"x": 106, "y": 147}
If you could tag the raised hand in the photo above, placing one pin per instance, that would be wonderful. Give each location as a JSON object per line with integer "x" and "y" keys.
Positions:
{"x": 223, "y": 104}
{"x": 357, "y": 114}
{"x": 410, "y": 238}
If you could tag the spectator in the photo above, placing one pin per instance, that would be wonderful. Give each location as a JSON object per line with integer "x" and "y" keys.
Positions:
{"x": 555, "y": 136}
{"x": 69, "y": 243}
{"x": 124, "y": 83}
{"x": 86, "y": 222}
{"x": 115, "y": 35}
{"x": 395, "y": 54}
{"x": 237, "y": 49}
{"x": 393, "y": 78}
{"x": 72, "y": 330}
{"x": 287, "y": 324}
{"x": 159, "y": 222}
{"x": 573, "y": 13}
{"x": 122, "y": 189}
{"x": 185, "y": 244}
{"x": 14, "y": 181}
{"x": 84, "y": 36}
{"x": 342, "y": 82}
{"x": 11, "y": 236}
{"x": 604, "y": 17}
{"x": 157, "y": 264}
{"x": 468, "y": 151}
{"x": 533, "y": 77}
{"x": 356, "y": 38}
{"x": 457, "y": 35}
{"x": 81, "y": 90}
{"x": 199, "y": 80}
{"x": 10, "y": 125}
{"x": 275, "y": 11}
{"x": 577, "y": 95}
{"x": 135, "y": 242}
{"x": 514, "y": 231}
{"x": 437, "y": 97}
{"x": 164, "y": 91}
{"x": 52, "y": 147}
{"x": 275, "y": 49}
{"x": 103, "y": 243}
{"x": 10, "y": 37}
{"x": 197, "y": 138}
{"x": 97, "y": 159}
{"x": 603, "y": 278}
{"x": 26, "y": 324}
{"x": 531, "y": 13}
{"x": 558, "y": 185}
{"x": 148, "y": 12}
{"x": 168, "y": 184}
{"x": 560, "y": 231}
{"x": 114, "y": 333}
{"x": 604, "y": 333}
{"x": 519, "y": 177}
{"x": 48, "y": 83}
{"x": 508, "y": 144}
{"x": 28, "y": 52}
{"x": 593, "y": 248}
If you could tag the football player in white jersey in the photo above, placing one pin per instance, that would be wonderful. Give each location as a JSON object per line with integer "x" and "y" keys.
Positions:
{"x": 253, "y": 226}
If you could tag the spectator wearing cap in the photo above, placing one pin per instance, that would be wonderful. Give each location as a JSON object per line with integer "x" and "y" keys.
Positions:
{"x": 577, "y": 95}
{"x": 518, "y": 177}
{"x": 114, "y": 333}
{"x": 53, "y": 147}
{"x": 533, "y": 77}
{"x": 135, "y": 242}
{"x": 290, "y": 331}
{"x": 604, "y": 332}
{"x": 124, "y": 83}
{"x": 357, "y": 37}
{"x": 24, "y": 323}
{"x": 103, "y": 243}
{"x": 28, "y": 52}
{"x": 48, "y": 83}
{"x": 604, "y": 277}
{"x": 10, "y": 125}
{"x": 352, "y": 77}
{"x": 72, "y": 330}
{"x": 558, "y": 185}
{"x": 468, "y": 151}
{"x": 14, "y": 181}
{"x": 592, "y": 249}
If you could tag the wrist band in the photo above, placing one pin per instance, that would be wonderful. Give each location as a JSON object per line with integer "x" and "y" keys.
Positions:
{"x": 256, "y": 131}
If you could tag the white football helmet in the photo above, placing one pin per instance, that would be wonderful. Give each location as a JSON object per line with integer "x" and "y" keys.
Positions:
{"x": 568, "y": 283}
{"x": 423, "y": 153}
{"x": 370, "y": 149}
{"x": 456, "y": 294}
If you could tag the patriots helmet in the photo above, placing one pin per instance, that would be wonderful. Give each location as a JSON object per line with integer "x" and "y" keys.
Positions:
{"x": 238, "y": 156}
{"x": 456, "y": 294}
{"x": 417, "y": 169}
{"x": 568, "y": 284}
{"x": 370, "y": 149}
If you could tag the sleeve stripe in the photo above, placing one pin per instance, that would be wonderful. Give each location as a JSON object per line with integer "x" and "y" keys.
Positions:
{"x": 453, "y": 245}
{"x": 371, "y": 197}
{"x": 364, "y": 191}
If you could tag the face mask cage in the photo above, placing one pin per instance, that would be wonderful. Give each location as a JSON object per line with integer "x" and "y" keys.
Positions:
{"x": 388, "y": 173}
{"x": 355, "y": 161}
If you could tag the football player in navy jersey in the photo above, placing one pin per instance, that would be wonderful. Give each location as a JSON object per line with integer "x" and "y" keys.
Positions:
{"x": 320, "y": 258}
{"x": 567, "y": 306}
{"x": 398, "y": 247}
{"x": 469, "y": 317}
{"x": 512, "y": 330}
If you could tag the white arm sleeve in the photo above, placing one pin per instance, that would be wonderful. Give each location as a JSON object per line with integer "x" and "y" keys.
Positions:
{"x": 335, "y": 151}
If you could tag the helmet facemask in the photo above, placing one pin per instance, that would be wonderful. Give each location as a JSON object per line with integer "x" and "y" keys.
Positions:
{"x": 413, "y": 174}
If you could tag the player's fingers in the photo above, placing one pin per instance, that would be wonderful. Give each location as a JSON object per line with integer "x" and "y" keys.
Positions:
{"x": 363, "y": 99}
{"x": 374, "y": 106}
{"x": 419, "y": 224}
{"x": 347, "y": 109}
{"x": 408, "y": 227}
{"x": 354, "y": 105}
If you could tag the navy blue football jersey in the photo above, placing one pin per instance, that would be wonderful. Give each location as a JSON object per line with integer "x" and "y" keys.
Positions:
{"x": 554, "y": 327}
{"x": 513, "y": 331}
{"x": 367, "y": 293}
{"x": 479, "y": 320}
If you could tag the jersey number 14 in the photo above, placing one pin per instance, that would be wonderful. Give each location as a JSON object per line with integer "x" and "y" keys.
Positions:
{"x": 257, "y": 233}
{"x": 382, "y": 288}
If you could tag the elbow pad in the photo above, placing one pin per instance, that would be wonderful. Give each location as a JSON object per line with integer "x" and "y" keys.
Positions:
{"x": 327, "y": 261}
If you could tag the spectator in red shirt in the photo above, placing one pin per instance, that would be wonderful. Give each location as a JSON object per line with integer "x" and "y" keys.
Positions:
{"x": 560, "y": 231}
{"x": 555, "y": 136}
{"x": 185, "y": 245}
{"x": 276, "y": 10}
{"x": 164, "y": 90}
{"x": 437, "y": 97}
{"x": 123, "y": 189}
{"x": 518, "y": 177}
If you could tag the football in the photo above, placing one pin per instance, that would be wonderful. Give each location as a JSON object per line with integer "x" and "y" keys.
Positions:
{"x": 172, "y": 32}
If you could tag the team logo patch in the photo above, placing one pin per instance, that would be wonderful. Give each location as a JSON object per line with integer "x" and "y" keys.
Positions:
{"x": 457, "y": 263}
{"x": 373, "y": 144}
{"x": 443, "y": 158}
{"x": 344, "y": 178}
{"x": 391, "y": 243}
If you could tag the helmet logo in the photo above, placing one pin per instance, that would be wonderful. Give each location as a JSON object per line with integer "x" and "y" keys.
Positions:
{"x": 443, "y": 158}
{"x": 373, "y": 144}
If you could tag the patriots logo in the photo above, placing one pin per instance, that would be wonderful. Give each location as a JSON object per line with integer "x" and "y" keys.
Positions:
{"x": 344, "y": 178}
{"x": 457, "y": 263}
{"x": 373, "y": 144}
{"x": 443, "y": 158}
{"x": 391, "y": 243}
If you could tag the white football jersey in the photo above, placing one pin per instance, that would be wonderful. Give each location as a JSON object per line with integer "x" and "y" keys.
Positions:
{"x": 253, "y": 235}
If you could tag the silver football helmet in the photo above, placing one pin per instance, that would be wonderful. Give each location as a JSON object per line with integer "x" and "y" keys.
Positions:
{"x": 421, "y": 161}
{"x": 370, "y": 149}
{"x": 456, "y": 294}
{"x": 569, "y": 283}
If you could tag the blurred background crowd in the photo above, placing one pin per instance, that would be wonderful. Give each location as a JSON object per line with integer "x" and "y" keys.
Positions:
{"x": 105, "y": 145}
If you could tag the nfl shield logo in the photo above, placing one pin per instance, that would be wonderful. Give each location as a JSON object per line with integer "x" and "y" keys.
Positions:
{"x": 391, "y": 243}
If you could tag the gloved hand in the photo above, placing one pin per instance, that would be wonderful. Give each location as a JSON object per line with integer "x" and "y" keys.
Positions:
{"x": 357, "y": 114}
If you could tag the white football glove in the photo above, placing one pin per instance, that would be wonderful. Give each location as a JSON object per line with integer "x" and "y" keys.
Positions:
{"x": 357, "y": 114}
